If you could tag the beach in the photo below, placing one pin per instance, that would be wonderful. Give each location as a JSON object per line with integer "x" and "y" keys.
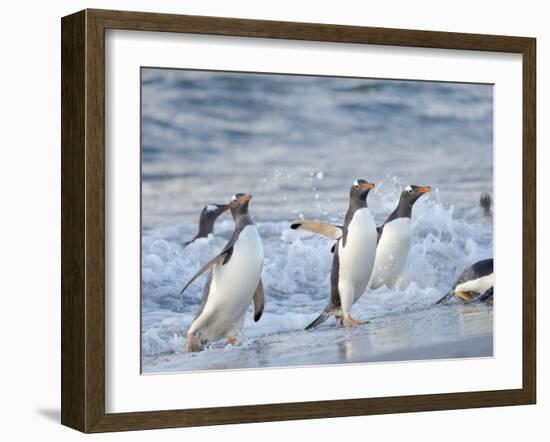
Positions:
{"x": 296, "y": 144}
{"x": 442, "y": 332}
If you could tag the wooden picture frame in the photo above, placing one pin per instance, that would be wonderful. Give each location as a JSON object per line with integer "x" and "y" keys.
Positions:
{"x": 83, "y": 220}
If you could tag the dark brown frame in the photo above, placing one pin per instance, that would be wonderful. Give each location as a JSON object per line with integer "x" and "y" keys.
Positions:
{"x": 83, "y": 219}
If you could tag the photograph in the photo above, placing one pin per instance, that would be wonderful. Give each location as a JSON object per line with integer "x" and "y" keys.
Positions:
{"x": 305, "y": 220}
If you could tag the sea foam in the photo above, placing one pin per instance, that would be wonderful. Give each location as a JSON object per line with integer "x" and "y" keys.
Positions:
{"x": 296, "y": 273}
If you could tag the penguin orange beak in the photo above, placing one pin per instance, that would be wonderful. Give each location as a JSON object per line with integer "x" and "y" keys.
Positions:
{"x": 367, "y": 186}
{"x": 223, "y": 207}
{"x": 246, "y": 198}
{"x": 424, "y": 189}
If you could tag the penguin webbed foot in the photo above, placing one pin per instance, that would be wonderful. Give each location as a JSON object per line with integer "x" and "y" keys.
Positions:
{"x": 465, "y": 296}
{"x": 353, "y": 322}
{"x": 193, "y": 343}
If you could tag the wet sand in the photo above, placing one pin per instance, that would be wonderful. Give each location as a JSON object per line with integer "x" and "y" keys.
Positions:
{"x": 440, "y": 332}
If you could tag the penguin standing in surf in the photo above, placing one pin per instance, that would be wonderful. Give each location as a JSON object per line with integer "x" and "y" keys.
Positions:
{"x": 394, "y": 240}
{"x": 233, "y": 283}
{"x": 208, "y": 217}
{"x": 354, "y": 254}
{"x": 475, "y": 283}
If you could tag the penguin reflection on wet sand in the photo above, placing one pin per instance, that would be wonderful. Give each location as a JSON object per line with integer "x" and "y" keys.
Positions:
{"x": 474, "y": 284}
{"x": 234, "y": 281}
{"x": 207, "y": 219}
{"x": 394, "y": 240}
{"x": 354, "y": 254}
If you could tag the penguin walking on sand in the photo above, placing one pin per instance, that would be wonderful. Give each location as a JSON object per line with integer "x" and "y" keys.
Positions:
{"x": 207, "y": 219}
{"x": 474, "y": 284}
{"x": 234, "y": 281}
{"x": 394, "y": 240}
{"x": 354, "y": 254}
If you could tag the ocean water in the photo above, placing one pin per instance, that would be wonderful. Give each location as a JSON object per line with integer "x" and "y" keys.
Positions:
{"x": 297, "y": 143}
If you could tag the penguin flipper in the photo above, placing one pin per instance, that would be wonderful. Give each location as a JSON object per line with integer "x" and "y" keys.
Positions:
{"x": 446, "y": 297}
{"x": 335, "y": 302}
{"x": 330, "y": 231}
{"x": 327, "y": 312}
{"x": 487, "y": 295}
{"x": 258, "y": 301}
{"x": 221, "y": 258}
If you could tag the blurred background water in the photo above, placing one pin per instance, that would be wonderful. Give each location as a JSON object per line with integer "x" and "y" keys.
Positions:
{"x": 297, "y": 143}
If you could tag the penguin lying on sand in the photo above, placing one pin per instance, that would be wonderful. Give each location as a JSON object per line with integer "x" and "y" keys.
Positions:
{"x": 208, "y": 217}
{"x": 475, "y": 283}
{"x": 233, "y": 283}
{"x": 354, "y": 253}
{"x": 394, "y": 240}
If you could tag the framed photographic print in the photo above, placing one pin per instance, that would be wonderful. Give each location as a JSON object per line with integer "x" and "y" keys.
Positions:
{"x": 270, "y": 220}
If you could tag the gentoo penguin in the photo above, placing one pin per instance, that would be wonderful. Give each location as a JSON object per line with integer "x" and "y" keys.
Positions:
{"x": 485, "y": 203}
{"x": 233, "y": 283}
{"x": 394, "y": 240}
{"x": 354, "y": 253}
{"x": 475, "y": 283}
{"x": 208, "y": 217}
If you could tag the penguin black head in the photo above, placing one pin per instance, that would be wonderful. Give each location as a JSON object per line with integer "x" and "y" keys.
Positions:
{"x": 411, "y": 193}
{"x": 212, "y": 211}
{"x": 359, "y": 190}
{"x": 239, "y": 204}
{"x": 208, "y": 217}
{"x": 485, "y": 203}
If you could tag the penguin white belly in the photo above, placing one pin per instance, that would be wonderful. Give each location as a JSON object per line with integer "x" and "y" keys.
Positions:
{"x": 391, "y": 253}
{"x": 232, "y": 288}
{"x": 479, "y": 285}
{"x": 356, "y": 258}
